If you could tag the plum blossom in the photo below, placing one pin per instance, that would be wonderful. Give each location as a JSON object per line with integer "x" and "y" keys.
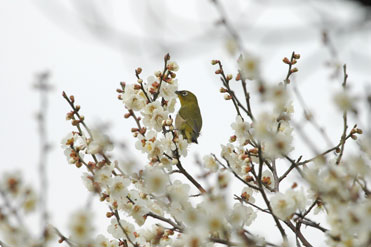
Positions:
{"x": 285, "y": 204}
{"x": 81, "y": 226}
{"x": 241, "y": 129}
{"x": 134, "y": 99}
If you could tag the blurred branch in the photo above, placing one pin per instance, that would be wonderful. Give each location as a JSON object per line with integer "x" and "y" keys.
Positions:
{"x": 43, "y": 86}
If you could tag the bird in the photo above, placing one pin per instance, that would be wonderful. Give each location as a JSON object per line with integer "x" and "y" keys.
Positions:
{"x": 188, "y": 120}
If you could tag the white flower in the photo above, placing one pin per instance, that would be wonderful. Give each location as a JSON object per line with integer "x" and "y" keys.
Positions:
{"x": 118, "y": 188}
{"x": 138, "y": 212}
{"x": 223, "y": 178}
{"x": 102, "y": 241}
{"x": 299, "y": 197}
{"x": 167, "y": 90}
{"x": 116, "y": 231}
{"x": 210, "y": 163}
{"x": 241, "y": 215}
{"x": 249, "y": 66}
{"x": 81, "y": 226}
{"x": 264, "y": 126}
{"x": 278, "y": 145}
{"x": 182, "y": 145}
{"x": 227, "y": 150}
{"x": 99, "y": 143}
{"x": 197, "y": 237}
{"x": 155, "y": 180}
{"x": 241, "y": 129}
{"x": 267, "y": 178}
{"x": 178, "y": 191}
{"x": 30, "y": 201}
{"x": 172, "y": 66}
{"x": 284, "y": 205}
{"x": 279, "y": 96}
{"x": 154, "y": 115}
{"x": 104, "y": 174}
{"x": 88, "y": 181}
{"x": 73, "y": 138}
{"x": 134, "y": 99}
{"x": 168, "y": 143}
{"x": 11, "y": 183}
{"x": 247, "y": 194}
{"x": 344, "y": 101}
{"x": 153, "y": 149}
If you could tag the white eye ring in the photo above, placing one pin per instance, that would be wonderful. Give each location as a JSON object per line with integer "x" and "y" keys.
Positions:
{"x": 184, "y": 93}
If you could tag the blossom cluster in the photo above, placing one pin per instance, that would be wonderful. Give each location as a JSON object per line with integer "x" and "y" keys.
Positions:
{"x": 153, "y": 192}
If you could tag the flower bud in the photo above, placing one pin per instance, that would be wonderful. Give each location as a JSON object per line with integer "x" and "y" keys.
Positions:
{"x": 227, "y": 97}
{"x": 75, "y": 122}
{"x": 294, "y": 70}
{"x": 72, "y": 98}
{"x": 229, "y": 77}
{"x": 249, "y": 178}
{"x": 223, "y": 90}
{"x": 167, "y": 57}
{"x": 169, "y": 121}
{"x": 174, "y": 161}
{"x": 286, "y": 60}
{"x": 140, "y": 81}
{"x": 138, "y": 70}
{"x": 109, "y": 214}
{"x": 155, "y": 84}
{"x": 69, "y": 115}
{"x": 127, "y": 115}
{"x": 213, "y": 62}
{"x": 238, "y": 77}
{"x": 233, "y": 138}
{"x": 297, "y": 56}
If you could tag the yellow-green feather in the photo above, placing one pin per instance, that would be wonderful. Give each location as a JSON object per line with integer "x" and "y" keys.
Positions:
{"x": 189, "y": 120}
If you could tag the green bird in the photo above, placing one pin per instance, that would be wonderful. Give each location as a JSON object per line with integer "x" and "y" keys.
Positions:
{"x": 188, "y": 120}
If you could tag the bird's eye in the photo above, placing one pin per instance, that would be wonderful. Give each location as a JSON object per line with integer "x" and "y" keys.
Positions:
{"x": 184, "y": 93}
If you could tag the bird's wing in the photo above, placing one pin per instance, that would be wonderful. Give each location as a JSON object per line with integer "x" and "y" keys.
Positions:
{"x": 186, "y": 116}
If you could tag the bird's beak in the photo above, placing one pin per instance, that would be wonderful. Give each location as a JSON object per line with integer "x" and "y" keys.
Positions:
{"x": 177, "y": 92}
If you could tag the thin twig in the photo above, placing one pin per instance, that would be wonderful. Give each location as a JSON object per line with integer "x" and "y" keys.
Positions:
{"x": 43, "y": 86}
{"x": 343, "y": 136}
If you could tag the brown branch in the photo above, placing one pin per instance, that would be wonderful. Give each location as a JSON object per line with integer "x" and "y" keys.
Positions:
{"x": 169, "y": 221}
{"x": 298, "y": 233}
{"x": 190, "y": 178}
{"x": 261, "y": 189}
{"x": 117, "y": 216}
{"x": 343, "y": 136}
{"x": 166, "y": 59}
{"x": 63, "y": 238}
{"x": 223, "y": 241}
{"x": 234, "y": 173}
